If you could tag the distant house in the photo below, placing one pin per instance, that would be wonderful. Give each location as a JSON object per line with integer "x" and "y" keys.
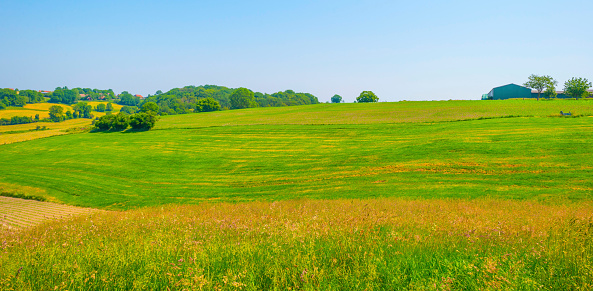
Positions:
{"x": 513, "y": 91}
{"x": 139, "y": 96}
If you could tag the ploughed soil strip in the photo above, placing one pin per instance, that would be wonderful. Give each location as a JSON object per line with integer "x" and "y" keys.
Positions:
{"x": 19, "y": 213}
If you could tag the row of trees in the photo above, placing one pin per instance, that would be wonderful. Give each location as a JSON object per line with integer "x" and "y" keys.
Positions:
{"x": 102, "y": 107}
{"x": 575, "y": 87}
{"x": 81, "y": 110}
{"x": 18, "y": 120}
{"x": 69, "y": 96}
{"x": 211, "y": 98}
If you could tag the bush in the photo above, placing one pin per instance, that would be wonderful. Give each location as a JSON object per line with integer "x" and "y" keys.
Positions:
{"x": 143, "y": 121}
{"x": 104, "y": 123}
{"x": 120, "y": 122}
{"x": 116, "y": 122}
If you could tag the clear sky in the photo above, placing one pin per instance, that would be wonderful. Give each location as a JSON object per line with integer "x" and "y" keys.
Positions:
{"x": 401, "y": 50}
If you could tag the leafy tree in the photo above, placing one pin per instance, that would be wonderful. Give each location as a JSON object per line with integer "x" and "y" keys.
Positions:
{"x": 57, "y": 95}
{"x": 550, "y": 92}
{"x": 56, "y": 113}
{"x": 242, "y": 98}
{"x": 109, "y": 107}
{"x": 143, "y": 121}
{"x": 100, "y": 107}
{"x": 336, "y": 98}
{"x": 150, "y": 107}
{"x": 207, "y": 105}
{"x": 540, "y": 83}
{"x": 9, "y": 98}
{"x": 577, "y": 87}
{"x": 2, "y": 105}
{"x": 367, "y": 97}
{"x": 31, "y": 96}
{"x": 68, "y": 114}
{"x": 83, "y": 109}
{"x": 37, "y": 117}
{"x": 126, "y": 98}
{"x": 129, "y": 109}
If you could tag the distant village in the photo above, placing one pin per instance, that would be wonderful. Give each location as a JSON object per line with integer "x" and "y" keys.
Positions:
{"x": 83, "y": 96}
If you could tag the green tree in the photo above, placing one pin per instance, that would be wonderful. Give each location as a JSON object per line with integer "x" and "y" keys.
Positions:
{"x": 336, "y": 98}
{"x": 207, "y": 105}
{"x": 126, "y": 98}
{"x": 100, "y": 107}
{"x": 540, "y": 83}
{"x": 129, "y": 109}
{"x": 109, "y": 107}
{"x": 56, "y": 113}
{"x": 242, "y": 98}
{"x": 367, "y": 97}
{"x": 577, "y": 87}
{"x": 150, "y": 107}
{"x": 83, "y": 109}
{"x": 550, "y": 92}
{"x": 143, "y": 121}
{"x": 11, "y": 98}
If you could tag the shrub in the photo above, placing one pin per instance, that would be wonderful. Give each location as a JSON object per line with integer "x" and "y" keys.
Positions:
{"x": 120, "y": 122}
{"x": 104, "y": 123}
{"x": 115, "y": 122}
{"x": 143, "y": 121}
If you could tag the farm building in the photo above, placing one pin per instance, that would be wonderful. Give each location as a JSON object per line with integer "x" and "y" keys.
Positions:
{"x": 507, "y": 92}
{"x": 511, "y": 91}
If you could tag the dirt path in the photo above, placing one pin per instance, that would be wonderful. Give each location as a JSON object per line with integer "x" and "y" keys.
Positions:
{"x": 17, "y": 213}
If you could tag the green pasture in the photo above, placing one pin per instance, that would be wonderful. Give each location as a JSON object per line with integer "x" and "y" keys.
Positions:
{"x": 543, "y": 158}
{"x": 382, "y": 112}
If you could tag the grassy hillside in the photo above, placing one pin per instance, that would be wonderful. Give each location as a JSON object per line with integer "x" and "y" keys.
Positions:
{"x": 390, "y": 196}
{"x": 372, "y": 113}
{"x": 519, "y": 158}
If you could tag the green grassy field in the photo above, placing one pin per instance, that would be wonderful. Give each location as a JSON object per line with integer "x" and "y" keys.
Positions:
{"x": 409, "y": 195}
{"x": 527, "y": 157}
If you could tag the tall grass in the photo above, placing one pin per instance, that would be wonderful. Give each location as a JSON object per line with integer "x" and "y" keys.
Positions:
{"x": 310, "y": 244}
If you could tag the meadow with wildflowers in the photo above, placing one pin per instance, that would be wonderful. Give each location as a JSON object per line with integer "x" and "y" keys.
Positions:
{"x": 409, "y": 195}
{"x": 371, "y": 244}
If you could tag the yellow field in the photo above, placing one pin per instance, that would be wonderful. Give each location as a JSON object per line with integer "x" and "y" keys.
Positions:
{"x": 31, "y": 109}
{"x": 8, "y": 135}
{"x": 74, "y": 125}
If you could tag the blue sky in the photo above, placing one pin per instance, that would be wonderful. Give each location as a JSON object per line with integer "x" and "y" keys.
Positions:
{"x": 401, "y": 50}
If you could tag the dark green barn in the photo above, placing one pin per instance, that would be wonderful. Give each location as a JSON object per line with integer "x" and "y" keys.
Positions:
{"x": 507, "y": 92}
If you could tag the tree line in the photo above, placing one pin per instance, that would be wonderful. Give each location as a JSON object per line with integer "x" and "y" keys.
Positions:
{"x": 211, "y": 98}
{"x": 10, "y": 97}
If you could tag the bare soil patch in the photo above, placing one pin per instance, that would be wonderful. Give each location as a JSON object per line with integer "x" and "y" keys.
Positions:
{"x": 19, "y": 213}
